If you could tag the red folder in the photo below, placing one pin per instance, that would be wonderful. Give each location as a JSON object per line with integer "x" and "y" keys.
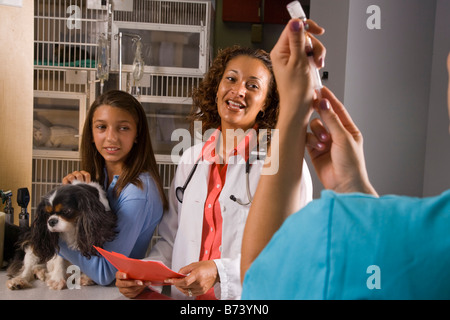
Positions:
{"x": 154, "y": 271}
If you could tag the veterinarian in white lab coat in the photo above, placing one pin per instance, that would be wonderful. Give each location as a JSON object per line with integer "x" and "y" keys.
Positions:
{"x": 202, "y": 231}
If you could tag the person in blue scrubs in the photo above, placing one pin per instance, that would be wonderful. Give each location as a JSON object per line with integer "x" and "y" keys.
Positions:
{"x": 350, "y": 243}
{"x": 116, "y": 151}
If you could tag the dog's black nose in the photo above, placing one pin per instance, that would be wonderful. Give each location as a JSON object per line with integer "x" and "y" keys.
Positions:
{"x": 52, "y": 222}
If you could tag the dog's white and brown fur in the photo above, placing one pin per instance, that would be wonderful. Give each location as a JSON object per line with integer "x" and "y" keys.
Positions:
{"x": 79, "y": 215}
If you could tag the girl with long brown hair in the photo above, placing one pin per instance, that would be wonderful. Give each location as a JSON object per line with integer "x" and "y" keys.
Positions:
{"x": 116, "y": 151}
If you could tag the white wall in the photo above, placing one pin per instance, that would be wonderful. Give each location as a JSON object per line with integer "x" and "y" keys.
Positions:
{"x": 437, "y": 156}
{"x": 387, "y": 89}
{"x": 386, "y": 82}
{"x": 333, "y": 16}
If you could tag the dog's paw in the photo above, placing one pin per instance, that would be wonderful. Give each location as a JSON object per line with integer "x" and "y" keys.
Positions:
{"x": 86, "y": 281}
{"x": 57, "y": 284}
{"x": 17, "y": 283}
{"x": 39, "y": 273}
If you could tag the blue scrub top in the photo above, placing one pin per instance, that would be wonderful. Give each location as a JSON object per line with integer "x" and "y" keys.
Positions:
{"x": 355, "y": 246}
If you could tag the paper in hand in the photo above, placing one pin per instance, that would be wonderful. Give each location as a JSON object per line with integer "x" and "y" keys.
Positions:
{"x": 154, "y": 271}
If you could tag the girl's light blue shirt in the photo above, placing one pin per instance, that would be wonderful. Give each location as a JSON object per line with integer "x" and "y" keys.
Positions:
{"x": 139, "y": 212}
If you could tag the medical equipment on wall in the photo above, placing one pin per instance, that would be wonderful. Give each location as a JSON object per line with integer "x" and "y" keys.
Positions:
{"x": 103, "y": 60}
{"x": 138, "y": 64}
{"x": 23, "y": 198}
{"x": 9, "y": 210}
{"x": 296, "y": 11}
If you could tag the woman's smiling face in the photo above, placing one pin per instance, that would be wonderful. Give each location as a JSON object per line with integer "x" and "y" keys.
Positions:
{"x": 242, "y": 92}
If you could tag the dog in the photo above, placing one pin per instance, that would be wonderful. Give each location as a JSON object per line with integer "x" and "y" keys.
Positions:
{"x": 78, "y": 214}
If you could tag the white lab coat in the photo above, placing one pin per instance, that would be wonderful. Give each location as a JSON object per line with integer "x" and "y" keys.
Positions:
{"x": 181, "y": 227}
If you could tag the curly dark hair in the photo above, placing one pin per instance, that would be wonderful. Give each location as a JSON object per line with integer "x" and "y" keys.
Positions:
{"x": 204, "y": 106}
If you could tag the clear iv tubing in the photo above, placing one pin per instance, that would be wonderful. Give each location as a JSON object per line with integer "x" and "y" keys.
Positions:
{"x": 296, "y": 11}
{"x": 102, "y": 65}
{"x": 138, "y": 62}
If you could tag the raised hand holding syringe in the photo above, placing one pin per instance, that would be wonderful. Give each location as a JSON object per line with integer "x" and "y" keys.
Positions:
{"x": 296, "y": 12}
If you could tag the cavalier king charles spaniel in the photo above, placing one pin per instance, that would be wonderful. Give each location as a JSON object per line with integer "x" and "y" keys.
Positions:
{"x": 77, "y": 214}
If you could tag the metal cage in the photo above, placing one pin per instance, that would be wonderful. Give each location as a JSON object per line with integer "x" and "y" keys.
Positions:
{"x": 66, "y": 34}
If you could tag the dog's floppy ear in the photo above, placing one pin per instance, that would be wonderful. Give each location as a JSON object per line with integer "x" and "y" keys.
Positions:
{"x": 45, "y": 243}
{"x": 95, "y": 225}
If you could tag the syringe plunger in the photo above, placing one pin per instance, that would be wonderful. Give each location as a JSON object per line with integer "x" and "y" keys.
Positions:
{"x": 295, "y": 10}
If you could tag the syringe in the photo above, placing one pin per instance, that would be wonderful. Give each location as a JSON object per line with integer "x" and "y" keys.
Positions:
{"x": 296, "y": 12}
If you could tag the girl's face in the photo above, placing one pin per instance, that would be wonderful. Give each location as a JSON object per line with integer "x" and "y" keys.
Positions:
{"x": 114, "y": 131}
{"x": 242, "y": 92}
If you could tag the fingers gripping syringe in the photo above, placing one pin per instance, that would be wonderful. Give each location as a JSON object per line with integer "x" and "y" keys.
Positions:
{"x": 296, "y": 12}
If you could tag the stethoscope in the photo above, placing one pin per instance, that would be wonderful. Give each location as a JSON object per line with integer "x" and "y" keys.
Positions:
{"x": 179, "y": 191}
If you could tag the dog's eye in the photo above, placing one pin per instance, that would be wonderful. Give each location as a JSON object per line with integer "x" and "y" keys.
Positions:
{"x": 66, "y": 212}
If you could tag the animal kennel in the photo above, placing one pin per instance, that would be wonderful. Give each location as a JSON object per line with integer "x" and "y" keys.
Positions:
{"x": 156, "y": 50}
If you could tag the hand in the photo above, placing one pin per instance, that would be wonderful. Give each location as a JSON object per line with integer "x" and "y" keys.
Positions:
{"x": 337, "y": 154}
{"x": 77, "y": 175}
{"x": 319, "y": 50}
{"x": 291, "y": 64}
{"x": 130, "y": 288}
{"x": 201, "y": 276}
